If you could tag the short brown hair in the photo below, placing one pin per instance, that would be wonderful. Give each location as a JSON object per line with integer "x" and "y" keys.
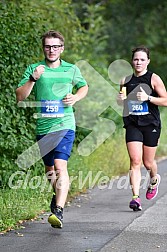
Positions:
{"x": 141, "y": 48}
{"x": 52, "y": 34}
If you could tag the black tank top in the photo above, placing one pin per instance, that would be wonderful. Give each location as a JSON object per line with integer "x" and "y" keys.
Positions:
{"x": 150, "y": 113}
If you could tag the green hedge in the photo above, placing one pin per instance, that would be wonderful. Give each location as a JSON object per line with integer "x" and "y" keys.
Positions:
{"x": 22, "y": 23}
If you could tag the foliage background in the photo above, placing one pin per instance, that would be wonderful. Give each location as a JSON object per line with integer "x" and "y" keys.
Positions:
{"x": 98, "y": 32}
{"x": 22, "y": 23}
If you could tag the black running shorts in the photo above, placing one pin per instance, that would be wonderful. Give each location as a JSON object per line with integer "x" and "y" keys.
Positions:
{"x": 148, "y": 135}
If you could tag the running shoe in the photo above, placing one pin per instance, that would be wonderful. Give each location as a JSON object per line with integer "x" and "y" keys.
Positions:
{"x": 135, "y": 204}
{"x": 56, "y": 218}
{"x": 152, "y": 190}
{"x": 53, "y": 203}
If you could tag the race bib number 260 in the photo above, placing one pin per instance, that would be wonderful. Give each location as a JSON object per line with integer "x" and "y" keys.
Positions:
{"x": 138, "y": 107}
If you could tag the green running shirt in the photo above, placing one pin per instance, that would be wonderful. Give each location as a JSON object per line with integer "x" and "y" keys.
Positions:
{"x": 49, "y": 90}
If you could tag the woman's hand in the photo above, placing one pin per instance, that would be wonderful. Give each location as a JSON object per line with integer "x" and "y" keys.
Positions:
{"x": 142, "y": 96}
{"x": 121, "y": 96}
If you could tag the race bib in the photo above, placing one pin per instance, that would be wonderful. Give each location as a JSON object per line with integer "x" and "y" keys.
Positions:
{"x": 53, "y": 108}
{"x": 138, "y": 107}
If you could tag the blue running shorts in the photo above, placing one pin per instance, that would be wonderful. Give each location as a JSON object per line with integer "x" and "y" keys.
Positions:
{"x": 56, "y": 145}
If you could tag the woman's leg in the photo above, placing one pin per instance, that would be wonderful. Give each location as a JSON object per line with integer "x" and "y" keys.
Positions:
{"x": 151, "y": 166}
{"x": 135, "y": 154}
{"x": 149, "y": 160}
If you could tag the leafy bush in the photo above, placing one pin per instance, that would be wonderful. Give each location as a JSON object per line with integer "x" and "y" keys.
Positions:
{"x": 17, "y": 41}
{"x": 22, "y": 24}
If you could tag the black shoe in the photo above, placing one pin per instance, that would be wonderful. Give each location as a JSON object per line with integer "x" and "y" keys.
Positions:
{"x": 56, "y": 219}
{"x": 53, "y": 203}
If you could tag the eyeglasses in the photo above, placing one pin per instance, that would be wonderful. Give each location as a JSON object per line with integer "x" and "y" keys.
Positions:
{"x": 55, "y": 47}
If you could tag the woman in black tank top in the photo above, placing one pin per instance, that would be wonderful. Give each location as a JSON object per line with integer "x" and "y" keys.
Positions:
{"x": 144, "y": 92}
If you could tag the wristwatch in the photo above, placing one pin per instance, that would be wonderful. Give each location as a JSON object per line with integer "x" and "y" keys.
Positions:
{"x": 149, "y": 98}
{"x": 31, "y": 78}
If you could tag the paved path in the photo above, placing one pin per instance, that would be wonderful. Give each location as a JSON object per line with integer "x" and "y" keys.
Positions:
{"x": 100, "y": 221}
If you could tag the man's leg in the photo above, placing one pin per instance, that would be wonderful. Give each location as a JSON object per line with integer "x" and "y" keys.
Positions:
{"x": 59, "y": 178}
{"x": 62, "y": 183}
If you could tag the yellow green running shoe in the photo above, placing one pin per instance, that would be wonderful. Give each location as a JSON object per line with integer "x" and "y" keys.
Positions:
{"x": 56, "y": 218}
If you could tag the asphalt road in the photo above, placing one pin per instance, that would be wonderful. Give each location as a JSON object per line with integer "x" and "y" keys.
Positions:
{"x": 100, "y": 221}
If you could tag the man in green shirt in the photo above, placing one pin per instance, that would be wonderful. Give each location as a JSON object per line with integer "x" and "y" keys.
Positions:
{"x": 52, "y": 81}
